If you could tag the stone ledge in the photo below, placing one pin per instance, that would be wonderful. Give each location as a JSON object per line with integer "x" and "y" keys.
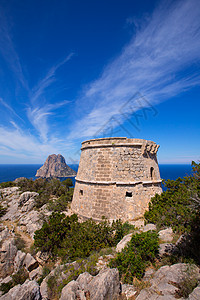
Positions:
{"x": 110, "y": 145}
{"x": 118, "y": 183}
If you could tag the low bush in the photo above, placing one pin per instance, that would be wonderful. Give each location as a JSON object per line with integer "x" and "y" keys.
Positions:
{"x": 3, "y": 211}
{"x": 18, "y": 278}
{"x": 7, "y": 184}
{"x": 135, "y": 257}
{"x": 179, "y": 205}
{"x": 19, "y": 242}
{"x": 48, "y": 188}
{"x": 66, "y": 237}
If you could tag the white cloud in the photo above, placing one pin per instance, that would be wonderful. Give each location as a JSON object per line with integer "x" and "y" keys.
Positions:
{"x": 16, "y": 143}
{"x": 38, "y": 116}
{"x": 48, "y": 79}
{"x": 156, "y": 63}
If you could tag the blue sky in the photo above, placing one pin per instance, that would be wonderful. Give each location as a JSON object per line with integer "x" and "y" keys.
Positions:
{"x": 75, "y": 70}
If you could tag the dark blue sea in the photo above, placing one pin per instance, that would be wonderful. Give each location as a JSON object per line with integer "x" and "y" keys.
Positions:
{"x": 11, "y": 172}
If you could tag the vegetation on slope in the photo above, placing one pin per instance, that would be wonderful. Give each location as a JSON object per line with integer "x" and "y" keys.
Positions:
{"x": 68, "y": 238}
{"x": 179, "y": 207}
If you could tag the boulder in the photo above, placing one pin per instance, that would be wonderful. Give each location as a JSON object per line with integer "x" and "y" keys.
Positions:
{"x": 9, "y": 191}
{"x": 7, "y": 255}
{"x": 165, "y": 281}
{"x": 149, "y": 227}
{"x": 195, "y": 295}
{"x": 166, "y": 235}
{"x": 69, "y": 292}
{"x": 30, "y": 262}
{"x": 123, "y": 242}
{"x": 19, "y": 260}
{"x": 28, "y": 205}
{"x": 29, "y": 290}
{"x": 166, "y": 249}
{"x": 128, "y": 290}
{"x": 32, "y": 222}
{"x": 104, "y": 286}
{"x": 103, "y": 261}
{"x": 42, "y": 257}
{"x": 35, "y": 274}
{"x": 83, "y": 280}
{"x": 27, "y": 196}
{"x": 5, "y": 233}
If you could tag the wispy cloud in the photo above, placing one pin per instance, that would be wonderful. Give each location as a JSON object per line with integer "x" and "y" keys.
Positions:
{"x": 38, "y": 116}
{"x": 8, "y": 51}
{"x": 49, "y": 78}
{"x": 159, "y": 62}
{"x": 17, "y": 143}
{"x": 8, "y": 107}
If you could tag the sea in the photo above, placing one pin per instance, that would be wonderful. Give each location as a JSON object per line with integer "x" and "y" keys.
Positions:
{"x": 11, "y": 172}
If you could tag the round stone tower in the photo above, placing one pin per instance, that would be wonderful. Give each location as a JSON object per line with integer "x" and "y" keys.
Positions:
{"x": 116, "y": 178}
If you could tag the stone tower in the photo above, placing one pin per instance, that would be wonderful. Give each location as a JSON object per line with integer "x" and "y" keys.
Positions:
{"x": 116, "y": 178}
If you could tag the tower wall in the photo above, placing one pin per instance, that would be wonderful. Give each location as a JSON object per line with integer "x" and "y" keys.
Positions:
{"x": 116, "y": 178}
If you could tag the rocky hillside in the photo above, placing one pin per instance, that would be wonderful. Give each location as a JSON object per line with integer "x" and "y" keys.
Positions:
{"x": 26, "y": 274}
{"x": 55, "y": 166}
{"x": 46, "y": 253}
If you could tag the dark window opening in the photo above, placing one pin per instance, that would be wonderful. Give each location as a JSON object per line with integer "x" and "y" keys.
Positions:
{"x": 128, "y": 194}
{"x": 81, "y": 192}
{"x": 152, "y": 173}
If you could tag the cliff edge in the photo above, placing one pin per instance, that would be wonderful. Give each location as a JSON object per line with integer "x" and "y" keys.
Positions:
{"x": 55, "y": 166}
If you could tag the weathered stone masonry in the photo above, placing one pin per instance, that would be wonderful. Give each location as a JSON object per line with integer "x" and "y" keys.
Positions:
{"x": 116, "y": 178}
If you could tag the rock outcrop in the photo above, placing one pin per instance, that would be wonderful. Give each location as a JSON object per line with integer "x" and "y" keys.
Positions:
{"x": 28, "y": 290}
{"x": 103, "y": 286}
{"x": 55, "y": 166}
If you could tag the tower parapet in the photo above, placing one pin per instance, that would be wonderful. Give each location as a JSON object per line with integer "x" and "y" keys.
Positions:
{"x": 116, "y": 178}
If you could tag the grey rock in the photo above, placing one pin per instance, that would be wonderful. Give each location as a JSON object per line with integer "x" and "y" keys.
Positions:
{"x": 5, "y": 233}
{"x": 166, "y": 235}
{"x": 19, "y": 260}
{"x": 103, "y": 261}
{"x": 55, "y": 166}
{"x": 69, "y": 291}
{"x": 42, "y": 257}
{"x": 32, "y": 222}
{"x": 128, "y": 290}
{"x": 83, "y": 280}
{"x": 123, "y": 242}
{"x": 26, "y": 196}
{"x": 28, "y": 206}
{"x": 6, "y": 280}
{"x": 165, "y": 249}
{"x": 105, "y": 285}
{"x": 30, "y": 262}
{"x": 35, "y": 274}
{"x": 195, "y": 295}
{"x": 7, "y": 255}
{"x": 9, "y": 191}
{"x": 29, "y": 290}
{"x": 149, "y": 227}
{"x": 165, "y": 280}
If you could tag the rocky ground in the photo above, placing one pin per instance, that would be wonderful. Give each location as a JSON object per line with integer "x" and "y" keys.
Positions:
{"x": 16, "y": 255}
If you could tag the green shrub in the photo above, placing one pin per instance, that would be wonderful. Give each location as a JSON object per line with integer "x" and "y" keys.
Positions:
{"x": 19, "y": 242}
{"x": 7, "y": 184}
{"x": 5, "y": 287}
{"x": 3, "y": 211}
{"x": 135, "y": 257}
{"x": 18, "y": 278}
{"x": 178, "y": 205}
{"x": 47, "y": 188}
{"x": 66, "y": 237}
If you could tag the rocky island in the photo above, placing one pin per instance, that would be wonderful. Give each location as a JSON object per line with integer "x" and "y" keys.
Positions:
{"x": 55, "y": 166}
